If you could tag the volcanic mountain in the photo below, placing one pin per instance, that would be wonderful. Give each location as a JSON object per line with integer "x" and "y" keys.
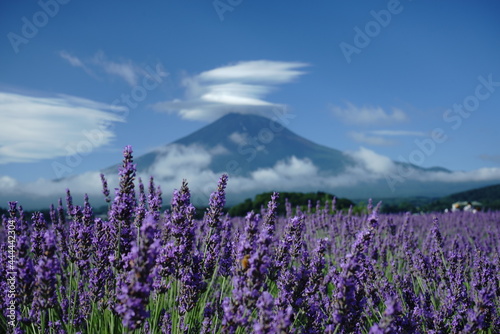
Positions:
{"x": 268, "y": 156}
{"x": 244, "y": 143}
{"x": 260, "y": 155}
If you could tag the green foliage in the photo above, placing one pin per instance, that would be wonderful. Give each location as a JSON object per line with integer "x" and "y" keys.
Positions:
{"x": 296, "y": 199}
{"x": 488, "y": 196}
{"x": 407, "y": 204}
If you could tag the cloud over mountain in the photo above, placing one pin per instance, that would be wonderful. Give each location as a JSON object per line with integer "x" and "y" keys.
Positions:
{"x": 283, "y": 162}
{"x": 235, "y": 88}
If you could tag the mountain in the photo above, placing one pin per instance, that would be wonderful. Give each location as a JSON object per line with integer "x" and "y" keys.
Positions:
{"x": 261, "y": 155}
{"x": 268, "y": 156}
{"x": 254, "y": 142}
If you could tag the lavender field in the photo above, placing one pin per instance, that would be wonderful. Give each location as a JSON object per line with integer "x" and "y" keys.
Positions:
{"x": 320, "y": 270}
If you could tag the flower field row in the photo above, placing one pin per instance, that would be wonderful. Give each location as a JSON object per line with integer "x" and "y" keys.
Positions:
{"x": 141, "y": 270}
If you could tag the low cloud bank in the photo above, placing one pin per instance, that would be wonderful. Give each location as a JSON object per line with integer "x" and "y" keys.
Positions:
{"x": 178, "y": 162}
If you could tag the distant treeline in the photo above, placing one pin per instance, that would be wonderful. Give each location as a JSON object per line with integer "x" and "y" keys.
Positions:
{"x": 488, "y": 196}
{"x": 296, "y": 199}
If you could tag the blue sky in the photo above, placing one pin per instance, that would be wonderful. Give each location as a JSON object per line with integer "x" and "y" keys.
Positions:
{"x": 364, "y": 76}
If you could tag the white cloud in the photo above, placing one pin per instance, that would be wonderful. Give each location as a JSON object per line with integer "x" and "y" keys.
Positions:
{"x": 7, "y": 182}
{"x": 236, "y": 94}
{"x": 490, "y": 158}
{"x": 372, "y": 165}
{"x": 240, "y": 87}
{"x": 376, "y": 137}
{"x": 239, "y": 138}
{"x": 301, "y": 174}
{"x": 368, "y": 115}
{"x": 74, "y": 61}
{"x": 175, "y": 159}
{"x": 478, "y": 175}
{"x": 124, "y": 69}
{"x": 361, "y": 137}
{"x": 398, "y": 133}
{"x": 44, "y": 191}
{"x": 219, "y": 150}
{"x": 179, "y": 162}
{"x": 36, "y": 128}
{"x": 293, "y": 172}
{"x": 255, "y": 71}
{"x": 372, "y": 161}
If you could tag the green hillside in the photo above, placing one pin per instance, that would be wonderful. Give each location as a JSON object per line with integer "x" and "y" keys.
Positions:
{"x": 489, "y": 196}
{"x": 294, "y": 198}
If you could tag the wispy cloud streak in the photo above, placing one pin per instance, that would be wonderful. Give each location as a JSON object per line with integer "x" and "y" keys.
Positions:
{"x": 37, "y": 128}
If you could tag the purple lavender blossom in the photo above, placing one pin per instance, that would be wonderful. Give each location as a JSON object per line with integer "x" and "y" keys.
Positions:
{"x": 235, "y": 314}
{"x": 166, "y": 266}
{"x": 61, "y": 231}
{"x": 227, "y": 258}
{"x": 283, "y": 320}
{"x": 122, "y": 208}
{"x": 375, "y": 273}
{"x": 12, "y": 209}
{"x": 192, "y": 285}
{"x": 250, "y": 280}
{"x": 101, "y": 277}
{"x": 47, "y": 268}
{"x": 350, "y": 298}
{"x": 155, "y": 200}
{"x": 390, "y": 322}
{"x": 316, "y": 267}
{"x": 80, "y": 235}
{"x": 87, "y": 212}
{"x": 373, "y": 217}
{"x": 105, "y": 189}
{"x": 140, "y": 209}
{"x": 52, "y": 214}
{"x": 290, "y": 245}
{"x": 436, "y": 233}
{"x": 25, "y": 270}
{"x": 180, "y": 257}
{"x": 135, "y": 284}
{"x": 265, "y": 319}
{"x": 208, "y": 313}
{"x": 165, "y": 322}
{"x": 37, "y": 235}
{"x": 248, "y": 243}
{"x": 213, "y": 219}
{"x": 69, "y": 202}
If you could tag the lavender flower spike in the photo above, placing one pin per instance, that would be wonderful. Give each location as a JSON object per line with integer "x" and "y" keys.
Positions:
{"x": 213, "y": 220}
{"x": 135, "y": 285}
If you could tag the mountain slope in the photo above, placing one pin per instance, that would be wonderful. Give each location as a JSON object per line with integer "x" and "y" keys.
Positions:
{"x": 262, "y": 155}
{"x": 250, "y": 142}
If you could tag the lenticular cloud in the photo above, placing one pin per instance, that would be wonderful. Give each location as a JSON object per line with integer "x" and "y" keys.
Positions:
{"x": 240, "y": 87}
